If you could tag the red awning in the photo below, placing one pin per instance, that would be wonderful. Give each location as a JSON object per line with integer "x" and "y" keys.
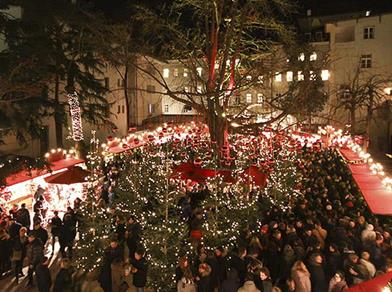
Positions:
{"x": 26, "y": 175}
{"x": 378, "y": 198}
{"x": 259, "y": 178}
{"x": 374, "y": 285}
{"x": 73, "y": 175}
{"x": 350, "y": 155}
{"x": 188, "y": 170}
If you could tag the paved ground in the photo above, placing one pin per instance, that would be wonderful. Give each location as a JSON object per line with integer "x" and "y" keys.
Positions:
{"x": 8, "y": 284}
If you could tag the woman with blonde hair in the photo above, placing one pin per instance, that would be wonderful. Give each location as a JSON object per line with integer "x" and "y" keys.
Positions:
{"x": 301, "y": 277}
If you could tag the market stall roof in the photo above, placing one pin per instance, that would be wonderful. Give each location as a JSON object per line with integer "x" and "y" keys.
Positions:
{"x": 378, "y": 198}
{"x": 26, "y": 175}
{"x": 377, "y": 284}
{"x": 72, "y": 175}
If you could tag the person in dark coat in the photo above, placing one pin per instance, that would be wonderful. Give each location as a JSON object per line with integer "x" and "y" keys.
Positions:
{"x": 40, "y": 233}
{"x": 23, "y": 216}
{"x": 63, "y": 282}
{"x": 139, "y": 270}
{"x": 232, "y": 281}
{"x": 133, "y": 235}
{"x": 42, "y": 274}
{"x": 19, "y": 246}
{"x": 237, "y": 261}
{"x": 317, "y": 274}
{"x": 34, "y": 254}
{"x": 13, "y": 227}
{"x": 203, "y": 279}
{"x": 56, "y": 226}
{"x": 112, "y": 253}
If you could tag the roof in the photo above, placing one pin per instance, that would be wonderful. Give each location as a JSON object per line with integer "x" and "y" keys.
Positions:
{"x": 26, "y": 175}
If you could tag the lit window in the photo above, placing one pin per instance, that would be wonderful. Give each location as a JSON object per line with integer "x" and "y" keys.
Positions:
{"x": 175, "y": 72}
{"x": 301, "y": 57}
{"x": 368, "y": 33}
{"x": 150, "y": 108}
{"x": 185, "y": 72}
{"x": 199, "y": 69}
{"x": 166, "y": 73}
{"x": 278, "y": 77}
{"x": 249, "y": 77}
{"x": 313, "y": 56}
{"x": 260, "y": 79}
{"x": 259, "y": 98}
{"x": 367, "y": 13}
{"x": 216, "y": 65}
{"x": 289, "y": 76}
{"x": 248, "y": 98}
{"x": 366, "y": 61}
{"x": 166, "y": 108}
{"x": 300, "y": 76}
{"x": 199, "y": 89}
{"x": 324, "y": 75}
{"x": 312, "y": 76}
{"x": 186, "y": 89}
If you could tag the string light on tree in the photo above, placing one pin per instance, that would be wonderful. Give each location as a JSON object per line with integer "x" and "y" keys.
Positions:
{"x": 76, "y": 117}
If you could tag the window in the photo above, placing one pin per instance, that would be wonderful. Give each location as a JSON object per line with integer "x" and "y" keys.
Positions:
{"x": 186, "y": 108}
{"x": 123, "y": 108}
{"x": 216, "y": 65}
{"x": 185, "y": 72}
{"x": 166, "y": 72}
{"x": 308, "y": 36}
{"x": 312, "y": 76}
{"x": 313, "y": 56}
{"x": 118, "y": 82}
{"x": 301, "y": 57}
{"x": 151, "y": 109}
{"x": 278, "y": 77}
{"x": 248, "y": 98}
{"x": 150, "y": 88}
{"x": 324, "y": 75}
{"x": 186, "y": 89}
{"x": 199, "y": 69}
{"x": 289, "y": 76}
{"x": 260, "y": 79}
{"x": 300, "y": 76}
{"x": 175, "y": 72}
{"x": 368, "y": 33}
{"x": 107, "y": 82}
{"x": 366, "y": 61}
{"x": 259, "y": 98}
{"x": 199, "y": 89}
{"x": 118, "y": 109}
{"x": 166, "y": 108}
{"x": 248, "y": 77}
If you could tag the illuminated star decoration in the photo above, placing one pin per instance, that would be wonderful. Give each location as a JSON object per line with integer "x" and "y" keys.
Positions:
{"x": 76, "y": 118}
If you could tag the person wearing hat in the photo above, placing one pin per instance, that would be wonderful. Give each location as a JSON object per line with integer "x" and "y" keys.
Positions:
{"x": 34, "y": 255}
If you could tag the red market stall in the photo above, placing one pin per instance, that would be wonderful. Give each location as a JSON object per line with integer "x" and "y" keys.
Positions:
{"x": 374, "y": 285}
{"x": 26, "y": 185}
{"x": 377, "y": 196}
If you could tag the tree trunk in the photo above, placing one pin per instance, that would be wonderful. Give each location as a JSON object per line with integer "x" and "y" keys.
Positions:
{"x": 353, "y": 120}
{"x": 216, "y": 124}
{"x": 127, "y": 103}
{"x": 58, "y": 117}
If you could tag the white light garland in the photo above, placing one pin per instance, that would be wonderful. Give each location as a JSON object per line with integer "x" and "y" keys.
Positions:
{"x": 76, "y": 118}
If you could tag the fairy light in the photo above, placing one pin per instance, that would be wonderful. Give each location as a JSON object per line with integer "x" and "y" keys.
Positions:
{"x": 76, "y": 117}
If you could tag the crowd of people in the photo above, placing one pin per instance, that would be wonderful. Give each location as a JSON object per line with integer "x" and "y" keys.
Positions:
{"x": 24, "y": 241}
{"x": 326, "y": 242}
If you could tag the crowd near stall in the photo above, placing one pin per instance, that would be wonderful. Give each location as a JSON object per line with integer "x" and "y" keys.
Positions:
{"x": 166, "y": 210}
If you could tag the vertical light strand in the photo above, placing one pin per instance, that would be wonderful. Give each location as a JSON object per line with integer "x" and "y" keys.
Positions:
{"x": 76, "y": 117}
